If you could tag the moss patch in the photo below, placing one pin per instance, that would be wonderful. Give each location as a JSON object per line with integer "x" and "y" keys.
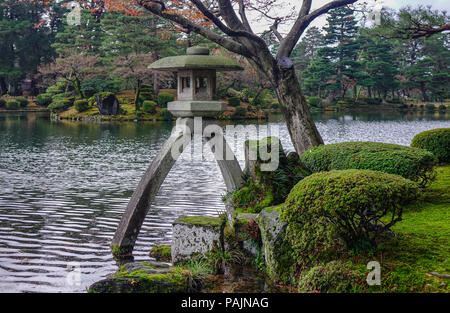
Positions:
{"x": 201, "y": 220}
{"x": 161, "y": 253}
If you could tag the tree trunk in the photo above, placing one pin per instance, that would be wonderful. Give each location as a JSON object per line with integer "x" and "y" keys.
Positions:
{"x": 137, "y": 95}
{"x": 424, "y": 92}
{"x": 3, "y": 87}
{"x": 301, "y": 127}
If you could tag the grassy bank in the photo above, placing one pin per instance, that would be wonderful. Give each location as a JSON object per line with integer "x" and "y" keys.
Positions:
{"x": 420, "y": 250}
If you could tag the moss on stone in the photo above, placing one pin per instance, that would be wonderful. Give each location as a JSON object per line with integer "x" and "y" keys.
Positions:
{"x": 161, "y": 253}
{"x": 201, "y": 220}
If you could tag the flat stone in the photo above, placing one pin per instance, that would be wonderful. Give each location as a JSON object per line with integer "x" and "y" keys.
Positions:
{"x": 145, "y": 277}
{"x": 196, "y": 108}
{"x": 196, "y": 235}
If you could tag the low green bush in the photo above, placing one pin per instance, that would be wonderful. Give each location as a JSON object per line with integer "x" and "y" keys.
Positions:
{"x": 23, "y": 102}
{"x": 240, "y": 112}
{"x": 332, "y": 277}
{"x": 44, "y": 99}
{"x": 164, "y": 98}
{"x": 437, "y": 141}
{"x": 81, "y": 105}
{"x": 2, "y": 103}
{"x": 314, "y": 101}
{"x": 234, "y": 101}
{"x": 343, "y": 209}
{"x": 60, "y": 105}
{"x": 147, "y": 93}
{"x": 12, "y": 105}
{"x": 412, "y": 163}
{"x": 430, "y": 107}
{"x": 442, "y": 107}
{"x": 149, "y": 107}
{"x": 166, "y": 115}
{"x": 275, "y": 105}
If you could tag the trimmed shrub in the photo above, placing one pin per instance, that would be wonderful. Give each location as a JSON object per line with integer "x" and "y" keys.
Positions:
{"x": 437, "y": 141}
{"x": 166, "y": 115}
{"x": 335, "y": 277}
{"x": 164, "y": 98}
{"x": 234, "y": 101}
{"x": 315, "y": 101}
{"x": 81, "y": 105}
{"x": 23, "y": 102}
{"x": 2, "y": 103}
{"x": 442, "y": 107}
{"x": 328, "y": 211}
{"x": 56, "y": 88}
{"x": 12, "y": 105}
{"x": 240, "y": 112}
{"x": 149, "y": 107}
{"x": 275, "y": 105}
{"x": 412, "y": 163}
{"x": 430, "y": 107}
{"x": 44, "y": 99}
{"x": 60, "y": 104}
{"x": 147, "y": 93}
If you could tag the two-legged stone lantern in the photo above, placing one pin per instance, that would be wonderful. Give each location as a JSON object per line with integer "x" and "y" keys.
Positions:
{"x": 196, "y": 98}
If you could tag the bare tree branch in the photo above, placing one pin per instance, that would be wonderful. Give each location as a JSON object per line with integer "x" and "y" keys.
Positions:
{"x": 303, "y": 21}
{"x": 244, "y": 16}
{"x": 156, "y": 8}
{"x": 274, "y": 29}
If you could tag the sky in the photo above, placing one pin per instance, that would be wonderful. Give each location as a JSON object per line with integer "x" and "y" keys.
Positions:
{"x": 286, "y": 5}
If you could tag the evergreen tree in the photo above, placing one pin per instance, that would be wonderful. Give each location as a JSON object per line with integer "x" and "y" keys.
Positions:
{"x": 25, "y": 40}
{"x": 342, "y": 48}
{"x": 86, "y": 38}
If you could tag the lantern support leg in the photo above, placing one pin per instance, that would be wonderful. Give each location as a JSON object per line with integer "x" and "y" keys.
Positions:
{"x": 126, "y": 234}
{"x": 139, "y": 204}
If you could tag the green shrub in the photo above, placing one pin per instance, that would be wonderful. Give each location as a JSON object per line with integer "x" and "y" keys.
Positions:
{"x": 240, "y": 112}
{"x": 60, "y": 105}
{"x": 437, "y": 141}
{"x": 2, "y": 103}
{"x": 149, "y": 107}
{"x": 147, "y": 93}
{"x": 57, "y": 88}
{"x": 164, "y": 98}
{"x": 442, "y": 107}
{"x": 12, "y": 105}
{"x": 166, "y": 115}
{"x": 430, "y": 107}
{"x": 23, "y": 102}
{"x": 81, "y": 105}
{"x": 315, "y": 101}
{"x": 333, "y": 277}
{"x": 328, "y": 211}
{"x": 275, "y": 105}
{"x": 92, "y": 86}
{"x": 412, "y": 163}
{"x": 234, "y": 101}
{"x": 44, "y": 99}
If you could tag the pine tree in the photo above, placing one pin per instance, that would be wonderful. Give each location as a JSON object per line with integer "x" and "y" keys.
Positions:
{"x": 342, "y": 48}
{"x": 86, "y": 38}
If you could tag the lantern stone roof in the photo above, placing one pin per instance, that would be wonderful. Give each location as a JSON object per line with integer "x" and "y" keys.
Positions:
{"x": 196, "y": 58}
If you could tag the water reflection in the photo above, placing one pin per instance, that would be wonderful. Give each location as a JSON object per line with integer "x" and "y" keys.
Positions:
{"x": 64, "y": 186}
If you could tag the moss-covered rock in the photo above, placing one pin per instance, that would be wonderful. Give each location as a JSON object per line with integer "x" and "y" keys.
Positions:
{"x": 161, "y": 253}
{"x": 332, "y": 277}
{"x": 277, "y": 251}
{"x": 146, "y": 277}
{"x": 196, "y": 235}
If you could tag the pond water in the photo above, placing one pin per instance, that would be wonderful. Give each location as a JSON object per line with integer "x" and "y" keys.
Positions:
{"x": 64, "y": 186}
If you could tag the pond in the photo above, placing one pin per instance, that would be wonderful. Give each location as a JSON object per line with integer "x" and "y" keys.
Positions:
{"x": 64, "y": 186}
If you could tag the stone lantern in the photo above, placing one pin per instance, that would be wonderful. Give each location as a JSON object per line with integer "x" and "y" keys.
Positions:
{"x": 196, "y": 91}
{"x": 196, "y": 98}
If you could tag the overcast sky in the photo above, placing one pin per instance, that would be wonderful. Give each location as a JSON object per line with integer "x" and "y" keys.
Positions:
{"x": 284, "y": 6}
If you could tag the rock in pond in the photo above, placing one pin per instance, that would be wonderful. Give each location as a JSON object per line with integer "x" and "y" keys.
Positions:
{"x": 146, "y": 277}
{"x": 196, "y": 235}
